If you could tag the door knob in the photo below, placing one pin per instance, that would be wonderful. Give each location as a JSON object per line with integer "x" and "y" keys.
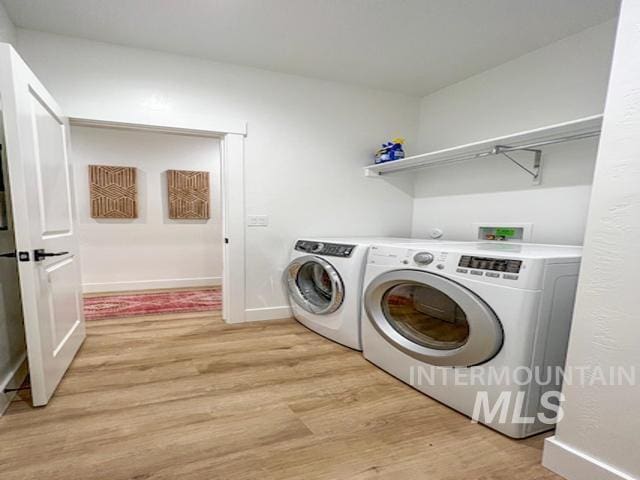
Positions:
{"x": 8, "y": 255}
{"x": 40, "y": 254}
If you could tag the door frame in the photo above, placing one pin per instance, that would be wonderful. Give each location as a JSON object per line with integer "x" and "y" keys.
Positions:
{"x": 231, "y": 138}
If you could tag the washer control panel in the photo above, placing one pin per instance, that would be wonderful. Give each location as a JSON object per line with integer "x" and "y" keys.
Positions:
{"x": 494, "y": 264}
{"x": 323, "y": 248}
{"x": 456, "y": 263}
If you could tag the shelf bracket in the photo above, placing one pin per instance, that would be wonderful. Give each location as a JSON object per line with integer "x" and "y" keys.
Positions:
{"x": 535, "y": 171}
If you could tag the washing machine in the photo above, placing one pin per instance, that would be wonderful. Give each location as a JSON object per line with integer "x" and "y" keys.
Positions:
{"x": 324, "y": 284}
{"x": 474, "y": 325}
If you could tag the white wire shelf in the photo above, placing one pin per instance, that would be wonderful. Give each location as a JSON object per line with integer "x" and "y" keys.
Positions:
{"x": 529, "y": 140}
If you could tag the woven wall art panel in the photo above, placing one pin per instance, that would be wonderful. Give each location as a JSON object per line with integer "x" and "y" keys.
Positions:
{"x": 113, "y": 192}
{"x": 188, "y": 194}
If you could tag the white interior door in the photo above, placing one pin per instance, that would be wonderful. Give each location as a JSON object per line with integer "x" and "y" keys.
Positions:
{"x": 43, "y": 211}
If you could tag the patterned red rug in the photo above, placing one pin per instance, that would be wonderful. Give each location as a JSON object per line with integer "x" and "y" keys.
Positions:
{"x": 129, "y": 305}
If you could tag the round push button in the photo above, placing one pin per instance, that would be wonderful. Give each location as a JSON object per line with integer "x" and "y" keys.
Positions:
{"x": 423, "y": 258}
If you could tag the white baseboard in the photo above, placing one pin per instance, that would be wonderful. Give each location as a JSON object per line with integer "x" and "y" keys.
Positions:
{"x": 576, "y": 465}
{"x": 151, "y": 284}
{"x": 267, "y": 313}
{"x": 13, "y": 379}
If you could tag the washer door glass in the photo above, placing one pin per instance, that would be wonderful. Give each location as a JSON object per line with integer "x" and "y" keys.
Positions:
{"x": 426, "y": 316}
{"x": 432, "y": 318}
{"x": 315, "y": 285}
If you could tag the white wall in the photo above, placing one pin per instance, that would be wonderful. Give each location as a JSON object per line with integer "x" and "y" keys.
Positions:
{"x": 150, "y": 251}
{"x": 563, "y": 81}
{"x": 7, "y": 29}
{"x": 598, "y": 437}
{"x": 307, "y": 141}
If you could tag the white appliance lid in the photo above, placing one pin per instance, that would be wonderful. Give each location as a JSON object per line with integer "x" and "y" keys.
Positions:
{"x": 366, "y": 240}
{"x": 378, "y": 240}
{"x": 523, "y": 250}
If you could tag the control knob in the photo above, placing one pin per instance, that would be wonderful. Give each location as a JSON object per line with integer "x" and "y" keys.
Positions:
{"x": 423, "y": 258}
{"x": 317, "y": 247}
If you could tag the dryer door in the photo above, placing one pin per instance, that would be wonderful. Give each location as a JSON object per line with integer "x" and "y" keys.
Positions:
{"x": 432, "y": 318}
{"x": 314, "y": 284}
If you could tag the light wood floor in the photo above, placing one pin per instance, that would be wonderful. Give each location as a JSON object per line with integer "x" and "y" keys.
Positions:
{"x": 188, "y": 397}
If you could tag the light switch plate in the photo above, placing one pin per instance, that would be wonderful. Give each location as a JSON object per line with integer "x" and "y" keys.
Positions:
{"x": 257, "y": 220}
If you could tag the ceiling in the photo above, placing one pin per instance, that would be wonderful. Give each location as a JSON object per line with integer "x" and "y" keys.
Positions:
{"x": 410, "y": 46}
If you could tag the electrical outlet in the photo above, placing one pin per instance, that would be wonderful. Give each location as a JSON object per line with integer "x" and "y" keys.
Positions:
{"x": 257, "y": 220}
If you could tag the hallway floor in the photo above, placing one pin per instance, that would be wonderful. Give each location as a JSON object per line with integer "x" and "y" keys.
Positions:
{"x": 186, "y": 396}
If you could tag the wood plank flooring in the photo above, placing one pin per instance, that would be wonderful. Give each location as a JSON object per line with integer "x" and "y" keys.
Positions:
{"x": 188, "y": 397}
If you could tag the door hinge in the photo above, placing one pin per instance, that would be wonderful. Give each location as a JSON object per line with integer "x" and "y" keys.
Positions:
{"x": 24, "y": 256}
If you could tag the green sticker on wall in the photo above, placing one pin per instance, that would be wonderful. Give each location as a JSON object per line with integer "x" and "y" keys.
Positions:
{"x": 505, "y": 232}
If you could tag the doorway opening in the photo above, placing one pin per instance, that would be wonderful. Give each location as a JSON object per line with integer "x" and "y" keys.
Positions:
{"x": 13, "y": 365}
{"x": 150, "y": 221}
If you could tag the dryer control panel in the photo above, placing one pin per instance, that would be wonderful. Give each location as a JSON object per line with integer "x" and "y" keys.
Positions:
{"x": 323, "y": 248}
